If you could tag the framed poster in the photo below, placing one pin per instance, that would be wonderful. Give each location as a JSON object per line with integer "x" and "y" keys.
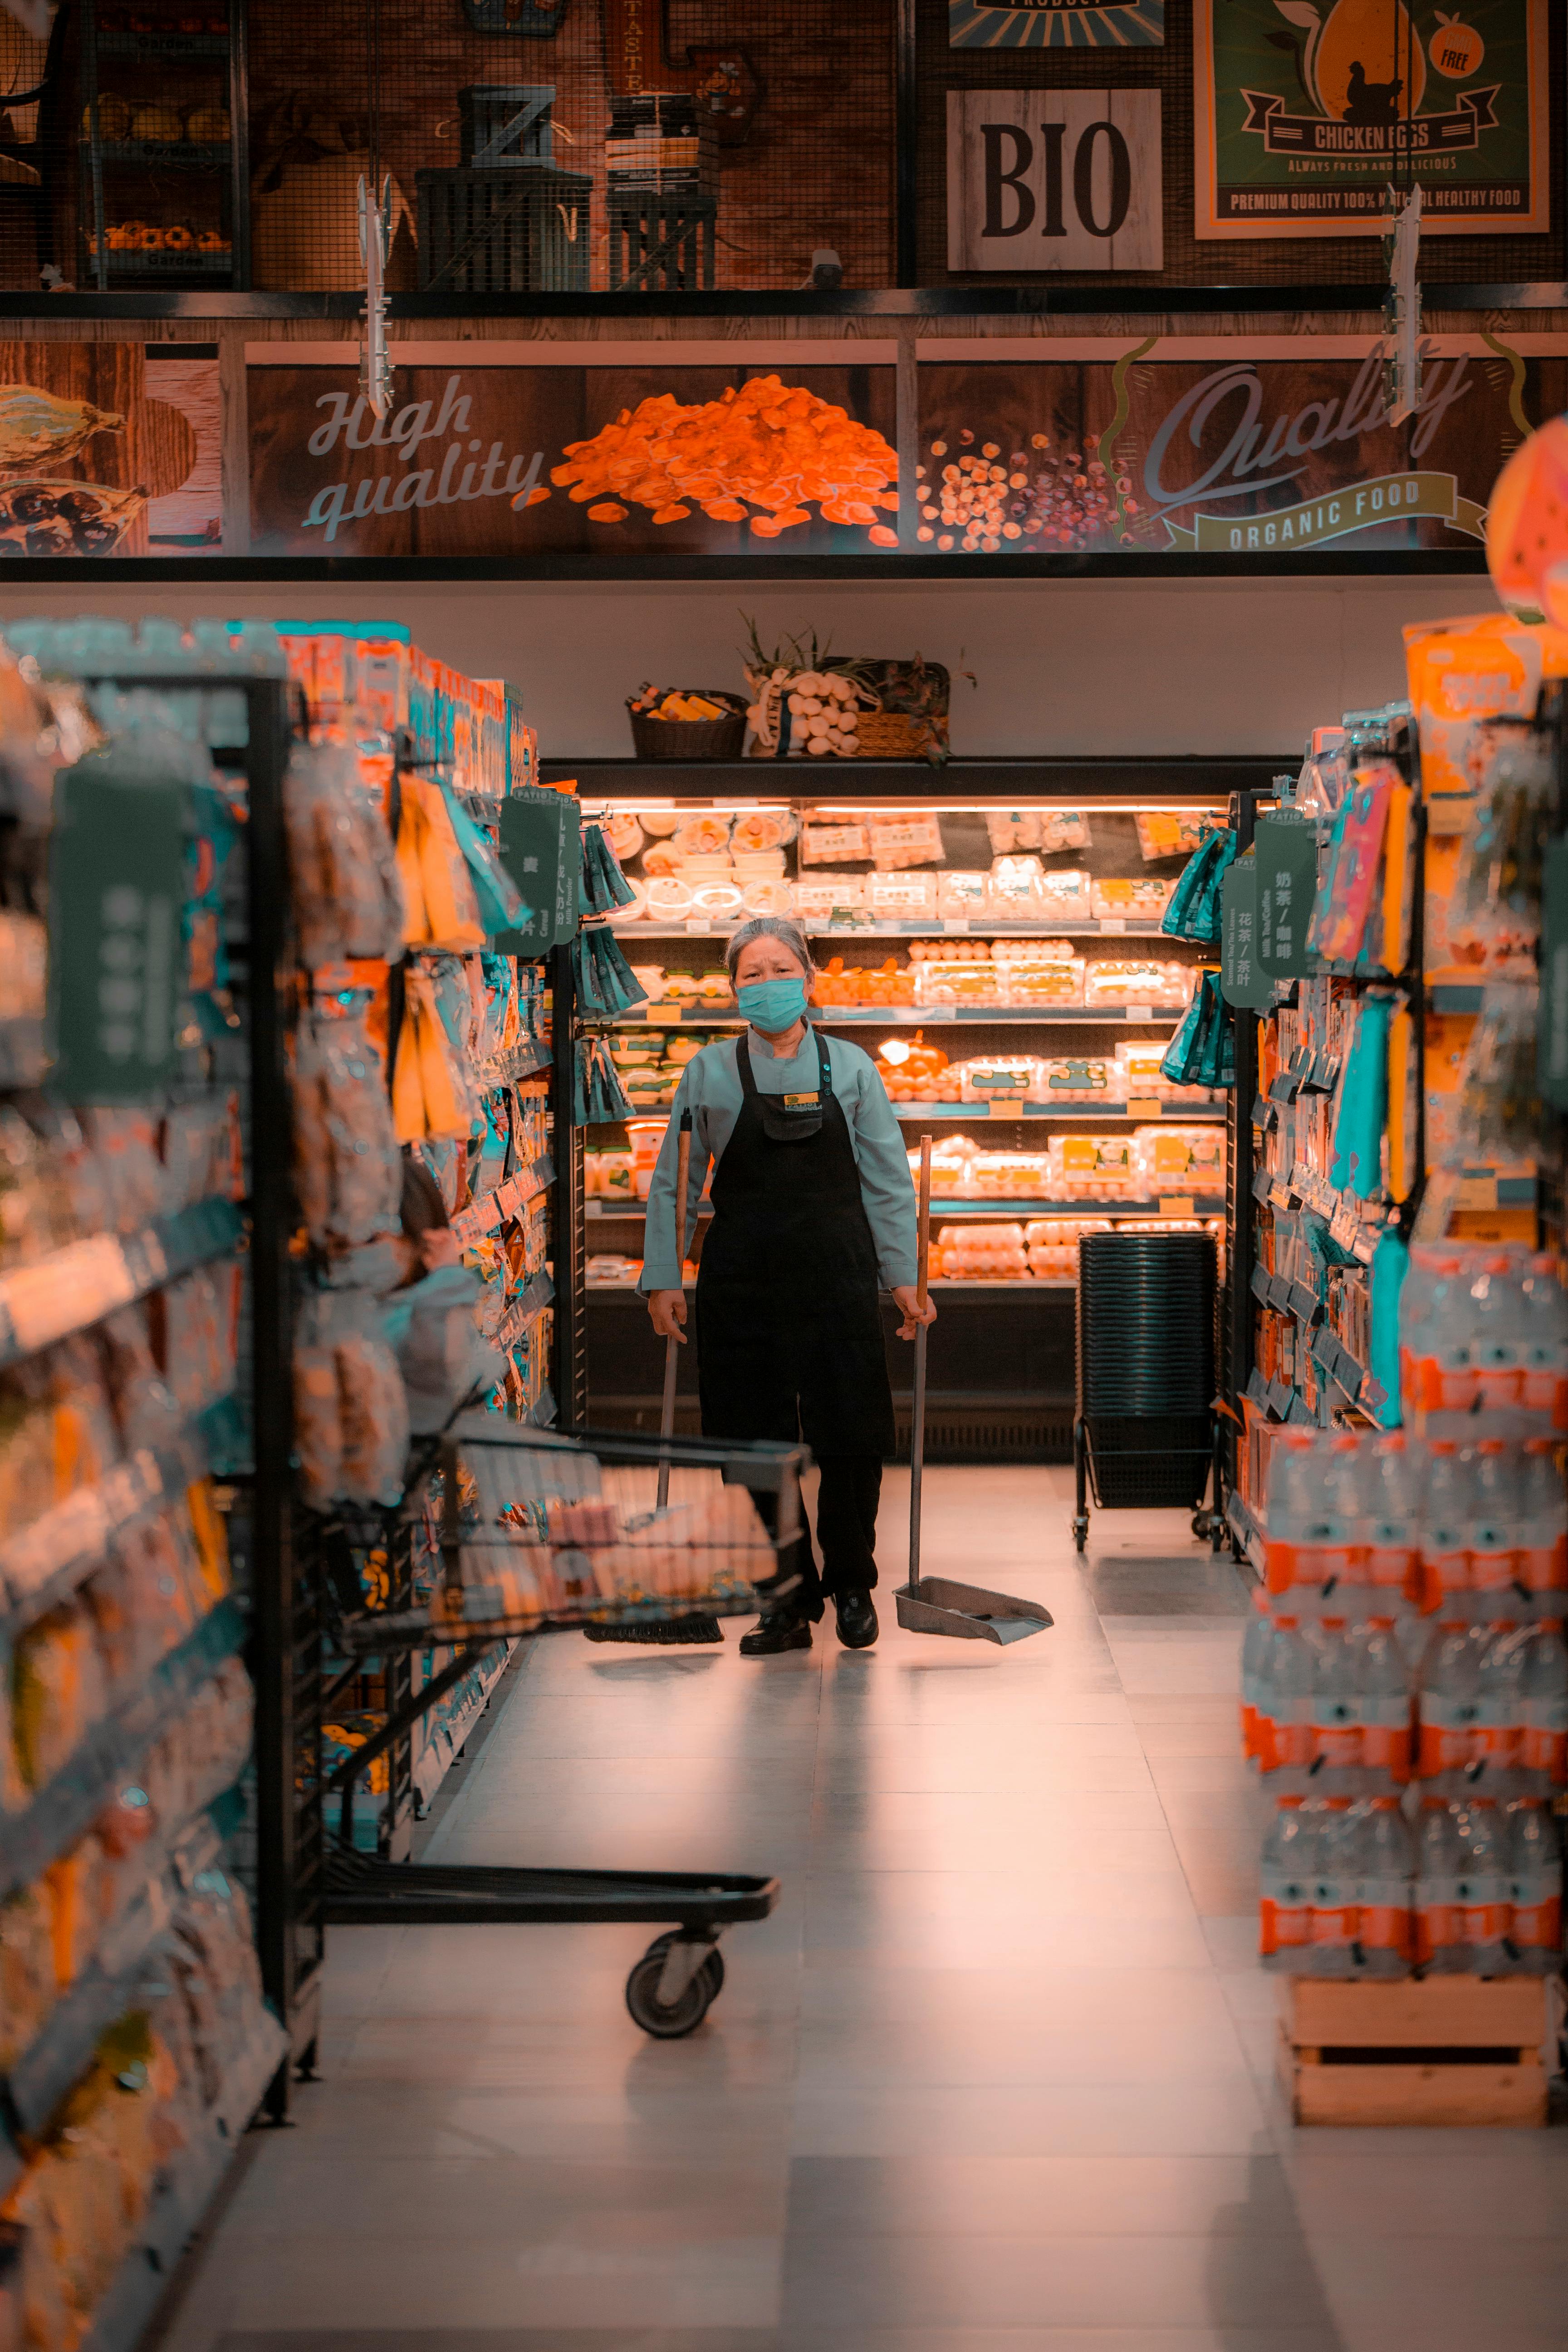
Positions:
{"x": 1216, "y": 450}
{"x": 1055, "y": 24}
{"x": 1054, "y": 179}
{"x": 1305, "y": 110}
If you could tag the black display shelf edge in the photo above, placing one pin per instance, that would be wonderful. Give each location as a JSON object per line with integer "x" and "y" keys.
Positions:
{"x": 1039, "y": 298}
{"x": 834, "y": 780}
{"x": 746, "y": 569}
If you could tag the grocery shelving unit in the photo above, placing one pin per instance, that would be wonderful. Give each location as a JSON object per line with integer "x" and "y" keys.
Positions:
{"x": 121, "y": 177}
{"x": 247, "y": 1436}
{"x": 1002, "y": 1354}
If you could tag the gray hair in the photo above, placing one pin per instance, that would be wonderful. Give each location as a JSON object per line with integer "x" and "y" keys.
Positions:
{"x": 769, "y": 927}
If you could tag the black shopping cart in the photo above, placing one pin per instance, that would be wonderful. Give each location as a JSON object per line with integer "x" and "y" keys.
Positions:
{"x": 1145, "y": 1433}
{"x": 504, "y": 1533}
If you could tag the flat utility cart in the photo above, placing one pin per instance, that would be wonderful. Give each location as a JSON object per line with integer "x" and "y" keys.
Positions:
{"x": 1145, "y": 1433}
{"x": 507, "y": 1532}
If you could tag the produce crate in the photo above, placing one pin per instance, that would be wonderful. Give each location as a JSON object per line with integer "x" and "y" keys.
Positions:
{"x": 505, "y": 124}
{"x": 659, "y": 243}
{"x": 508, "y": 232}
{"x": 1443, "y": 2050}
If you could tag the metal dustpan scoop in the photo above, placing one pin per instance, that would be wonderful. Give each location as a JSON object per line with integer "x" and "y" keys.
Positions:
{"x": 935, "y": 1604}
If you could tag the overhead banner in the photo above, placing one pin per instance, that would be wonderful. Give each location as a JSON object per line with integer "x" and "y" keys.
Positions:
{"x": 550, "y": 460}
{"x": 1304, "y": 112}
{"x": 1226, "y": 456}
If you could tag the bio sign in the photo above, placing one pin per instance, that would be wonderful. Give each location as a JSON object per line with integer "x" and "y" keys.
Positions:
{"x": 1305, "y": 112}
{"x": 1054, "y": 179}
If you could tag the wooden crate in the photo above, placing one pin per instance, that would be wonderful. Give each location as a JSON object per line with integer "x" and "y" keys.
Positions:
{"x": 520, "y": 231}
{"x": 1446, "y": 2050}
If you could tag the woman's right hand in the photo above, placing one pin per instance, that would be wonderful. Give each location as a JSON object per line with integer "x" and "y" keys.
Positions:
{"x": 667, "y": 1308}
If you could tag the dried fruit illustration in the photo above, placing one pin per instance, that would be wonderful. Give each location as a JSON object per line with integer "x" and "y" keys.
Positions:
{"x": 770, "y": 447}
{"x": 53, "y": 518}
{"x": 36, "y": 429}
{"x": 976, "y": 504}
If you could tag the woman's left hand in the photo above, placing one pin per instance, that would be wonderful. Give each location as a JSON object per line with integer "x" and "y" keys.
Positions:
{"x": 906, "y": 1298}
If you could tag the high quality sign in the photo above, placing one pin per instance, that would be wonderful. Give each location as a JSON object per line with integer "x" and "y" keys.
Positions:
{"x": 1305, "y": 115}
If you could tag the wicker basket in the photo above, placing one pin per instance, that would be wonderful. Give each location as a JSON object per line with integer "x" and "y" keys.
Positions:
{"x": 691, "y": 739}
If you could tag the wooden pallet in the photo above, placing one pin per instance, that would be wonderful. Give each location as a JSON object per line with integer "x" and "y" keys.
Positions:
{"x": 1446, "y": 2050}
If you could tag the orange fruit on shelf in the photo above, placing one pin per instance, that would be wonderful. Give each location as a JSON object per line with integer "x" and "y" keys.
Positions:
{"x": 1527, "y": 522}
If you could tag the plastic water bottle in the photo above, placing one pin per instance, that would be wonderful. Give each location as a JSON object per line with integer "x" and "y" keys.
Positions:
{"x": 1386, "y": 1872}
{"x": 1446, "y": 1704}
{"x": 1486, "y": 1871}
{"x": 1285, "y": 1730}
{"x": 1415, "y": 1313}
{"x": 1493, "y": 1537}
{"x": 1535, "y": 1889}
{"x": 1498, "y": 1730}
{"x": 1543, "y": 1519}
{"x": 1439, "y": 1929}
{"x": 1445, "y": 1365}
{"x": 1447, "y": 1514}
{"x": 1497, "y": 1327}
{"x": 1392, "y": 1543}
{"x": 1336, "y": 1717}
{"x": 1336, "y": 1917}
{"x": 1381, "y": 1680}
{"x": 1310, "y": 1539}
{"x": 1349, "y": 1493}
{"x": 1254, "y": 1647}
{"x": 1543, "y": 1708}
{"x": 1287, "y": 1871}
{"x": 1544, "y": 1326}
{"x": 1290, "y": 1505}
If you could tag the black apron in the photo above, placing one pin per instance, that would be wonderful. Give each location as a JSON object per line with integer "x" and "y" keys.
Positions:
{"x": 789, "y": 1331}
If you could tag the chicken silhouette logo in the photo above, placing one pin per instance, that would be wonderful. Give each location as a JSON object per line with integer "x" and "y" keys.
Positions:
{"x": 1309, "y": 113}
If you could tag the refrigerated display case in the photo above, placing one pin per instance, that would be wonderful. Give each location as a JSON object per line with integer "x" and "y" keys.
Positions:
{"x": 992, "y": 940}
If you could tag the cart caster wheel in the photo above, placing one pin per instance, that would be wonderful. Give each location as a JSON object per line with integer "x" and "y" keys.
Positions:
{"x": 1203, "y": 1526}
{"x": 1079, "y": 1534}
{"x": 673, "y": 2021}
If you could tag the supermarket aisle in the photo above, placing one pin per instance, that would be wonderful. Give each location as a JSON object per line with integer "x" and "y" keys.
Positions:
{"x": 996, "y": 2078}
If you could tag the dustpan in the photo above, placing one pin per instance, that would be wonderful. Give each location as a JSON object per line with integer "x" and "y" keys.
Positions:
{"x": 935, "y": 1604}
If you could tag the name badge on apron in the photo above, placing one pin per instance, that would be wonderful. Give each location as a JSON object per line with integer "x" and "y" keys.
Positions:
{"x": 789, "y": 1118}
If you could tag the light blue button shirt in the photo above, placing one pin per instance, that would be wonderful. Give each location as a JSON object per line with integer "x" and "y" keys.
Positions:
{"x": 711, "y": 1090}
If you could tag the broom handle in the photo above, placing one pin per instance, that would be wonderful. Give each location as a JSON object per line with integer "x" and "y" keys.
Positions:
{"x": 917, "y": 1417}
{"x": 672, "y": 1346}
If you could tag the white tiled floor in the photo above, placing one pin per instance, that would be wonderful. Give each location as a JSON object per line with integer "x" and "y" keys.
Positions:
{"x": 996, "y": 2076}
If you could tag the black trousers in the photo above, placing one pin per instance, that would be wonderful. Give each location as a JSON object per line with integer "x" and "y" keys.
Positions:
{"x": 849, "y": 1488}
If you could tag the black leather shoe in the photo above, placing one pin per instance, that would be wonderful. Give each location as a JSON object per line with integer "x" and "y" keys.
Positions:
{"x": 776, "y": 1630}
{"x": 857, "y": 1613}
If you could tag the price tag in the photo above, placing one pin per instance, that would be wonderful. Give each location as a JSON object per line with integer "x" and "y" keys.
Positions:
{"x": 1139, "y": 1013}
{"x": 1476, "y": 1192}
{"x": 698, "y": 926}
{"x": 955, "y": 923}
{"x": 1143, "y": 1107}
{"x": 1176, "y": 1204}
{"x": 1114, "y": 923}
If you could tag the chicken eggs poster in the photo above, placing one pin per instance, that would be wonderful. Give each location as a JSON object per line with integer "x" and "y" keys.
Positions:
{"x": 1305, "y": 110}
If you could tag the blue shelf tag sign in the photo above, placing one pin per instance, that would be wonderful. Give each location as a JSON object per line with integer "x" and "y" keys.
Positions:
{"x": 1242, "y": 979}
{"x": 1286, "y": 850}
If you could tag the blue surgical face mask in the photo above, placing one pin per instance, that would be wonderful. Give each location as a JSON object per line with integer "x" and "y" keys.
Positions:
{"x": 772, "y": 1005}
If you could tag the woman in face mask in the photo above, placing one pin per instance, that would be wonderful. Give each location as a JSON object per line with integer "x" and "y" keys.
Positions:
{"x": 812, "y": 1205}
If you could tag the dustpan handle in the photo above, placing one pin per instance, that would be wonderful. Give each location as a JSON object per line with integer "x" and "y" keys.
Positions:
{"x": 918, "y": 1411}
{"x": 672, "y": 1346}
